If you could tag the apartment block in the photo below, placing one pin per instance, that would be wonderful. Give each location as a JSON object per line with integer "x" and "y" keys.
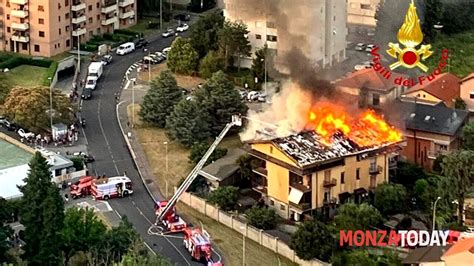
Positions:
{"x": 362, "y": 12}
{"x": 47, "y": 28}
{"x": 316, "y": 27}
{"x": 467, "y": 91}
{"x": 297, "y": 174}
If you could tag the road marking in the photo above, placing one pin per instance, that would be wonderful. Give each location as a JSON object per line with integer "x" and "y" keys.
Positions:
{"x": 149, "y": 248}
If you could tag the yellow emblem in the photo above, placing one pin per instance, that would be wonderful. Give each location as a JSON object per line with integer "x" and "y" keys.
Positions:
{"x": 410, "y": 36}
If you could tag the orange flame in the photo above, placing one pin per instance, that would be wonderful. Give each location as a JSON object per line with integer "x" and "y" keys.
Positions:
{"x": 366, "y": 129}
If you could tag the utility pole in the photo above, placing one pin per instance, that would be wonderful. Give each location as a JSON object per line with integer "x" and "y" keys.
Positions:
{"x": 51, "y": 103}
{"x": 79, "y": 52}
{"x": 434, "y": 213}
{"x": 166, "y": 159}
{"x": 161, "y": 14}
{"x": 149, "y": 67}
{"x": 133, "y": 102}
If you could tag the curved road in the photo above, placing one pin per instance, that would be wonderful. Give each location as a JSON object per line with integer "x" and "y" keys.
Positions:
{"x": 106, "y": 143}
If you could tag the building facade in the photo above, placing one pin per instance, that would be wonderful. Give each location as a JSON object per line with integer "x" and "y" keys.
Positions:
{"x": 295, "y": 178}
{"x": 467, "y": 91}
{"x": 362, "y": 12}
{"x": 48, "y": 28}
{"x": 316, "y": 27}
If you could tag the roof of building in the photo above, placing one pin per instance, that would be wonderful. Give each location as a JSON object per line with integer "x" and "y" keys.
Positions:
{"x": 306, "y": 148}
{"x": 425, "y": 254}
{"x": 435, "y": 118}
{"x": 444, "y": 87}
{"x": 368, "y": 78}
{"x": 56, "y": 161}
{"x": 463, "y": 245}
{"x": 223, "y": 167}
{"x": 468, "y": 77}
{"x": 11, "y": 178}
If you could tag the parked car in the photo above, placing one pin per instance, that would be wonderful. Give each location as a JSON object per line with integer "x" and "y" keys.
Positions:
{"x": 253, "y": 96}
{"x": 10, "y": 126}
{"x": 367, "y": 64}
{"x": 369, "y": 47}
{"x": 125, "y": 48}
{"x": 243, "y": 94}
{"x": 262, "y": 97}
{"x": 25, "y": 134}
{"x": 141, "y": 43}
{"x": 149, "y": 60}
{"x": 86, "y": 94}
{"x": 168, "y": 33}
{"x": 360, "y": 47}
{"x": 359, "y": 67}
{"x": 2, "y": 119}
{"x": 157, "y": 58}
{"x": 87, "y": 157}
{"x": 106, "y": 59}
{"x": 182, "y": 28}
{"x": 160, "y": 54}
{"x": 182, "y": 17}
{"x": 166, "y": 51}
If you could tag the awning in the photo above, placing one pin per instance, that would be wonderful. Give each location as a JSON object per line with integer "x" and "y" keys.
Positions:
{"x": 295, "y": 196}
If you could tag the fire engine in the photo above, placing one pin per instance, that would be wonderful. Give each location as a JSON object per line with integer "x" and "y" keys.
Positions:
{"x": 198, "y": 244}
{"x": 106, "y": 188}
{"x": 81, "y": 188}
{"x": 171, "y": 220}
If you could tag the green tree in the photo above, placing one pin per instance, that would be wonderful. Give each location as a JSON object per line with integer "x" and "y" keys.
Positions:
{"x": 221, "y": 100}
{"x": 460, "y": 104}
{"x": 468, "y": 136}
{"x": 30, "y": 108}
{"x": 200, "y": 148}
{"x": 188, "y": 123}
{"x": 224, "y": 197}
{"x": 182, "y": 58}
{"x": 204, "y": 33}
{"x": 196, "y": 186}
{"x": 4, "y": 88}
{"x": 391, "y": 198}
{"x": 433, "y": 15}
{"x": 233, "y": 41}
{"x": 5, "y": 231}
{"x": 408, "y": 173}
{"x": 458, "y": 167}
{"x": 210, "y": 64}
{"x": 313, "y": 239}
{"x": 258, "y": 64}
{"x": 82, "y": 231}
{"x": 42, "y": 214}
{"x": 262, "y": 218}
{"x": 78, "y": 162}
{"x": 353, "y": 216}
{"x": 159, "y": 101}
{"x": 245, "y": 163}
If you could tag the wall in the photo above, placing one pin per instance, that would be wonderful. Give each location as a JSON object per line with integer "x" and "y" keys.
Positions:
{"x": 271, "y": 150}
{"x": 467, "y": 88}
{"x": 257, "y": 235}
{"x": 357, "y": 15}
{"x": 424, "y": 96}
{"x": 278, "y": 182}
{"x": 421, "y": 157}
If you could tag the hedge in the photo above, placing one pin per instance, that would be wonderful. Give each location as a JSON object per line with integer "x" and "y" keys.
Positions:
{"x": 127, "y": 32}
{"x": 15, "y": 61}
{"x": 50, "y": 73}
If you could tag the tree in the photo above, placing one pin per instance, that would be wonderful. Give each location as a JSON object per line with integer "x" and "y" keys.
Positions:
{"x": 313, "y": 239}
{"x": 458, "y": 167}
{"x": 245, "y": 166}
{"x": 407, "y": 174}
{"x": 30, "y": 108}
{"x": 188, "y": 123}
{"x": 210, "y": 64}
{"x": 204, "y": 33}
{"x": 468, "y": 136}
{"x": 433, "y": 15}
{"x": 353, "y": 216}
{"x": 42, "y": 214}
{"x": 159, "y": 101}
{"x": 224, "y": 197}
{"x": 197, "y": 186}
{"x": 221, "y": 100}
{"x": 460, "y": 104}
{"x": 200, "y": 148}
{"x": 5, "y": 231}
{"x": 182, "y": 58}
{"x": 262, "y": 218}
{"x": 4, "y": 88}
{"x": 82, "y": 231}
{"x": 233, "y": 41}
{"x": 390, "y": 198}
{"x": 258, "y": 64}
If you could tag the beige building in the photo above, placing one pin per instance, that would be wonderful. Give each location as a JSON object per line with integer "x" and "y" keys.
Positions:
{"x": 362, "y": 12}
{"x": 467, "y": 91}
{"x": 316, "y": 27}
{"x": 47, "y": 28}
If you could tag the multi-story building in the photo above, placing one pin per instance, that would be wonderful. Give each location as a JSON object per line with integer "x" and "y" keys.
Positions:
{"x": 298, "y": 174}
{"x": 47, "y": 28}
{"x": 362, "y": 12}
{"x": 316, "y": 27}
{"x": 467, "y": 91}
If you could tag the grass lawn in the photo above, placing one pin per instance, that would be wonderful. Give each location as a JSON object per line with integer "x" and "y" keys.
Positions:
{"x": 187, "y": 82}
{"x": 26, "y": 76}
{"x": 461, "y": 53}
{"x": 227, "y": 240}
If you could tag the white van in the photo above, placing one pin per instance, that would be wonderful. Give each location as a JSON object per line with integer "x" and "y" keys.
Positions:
{"x": 125, "y": 48}
{"x": 91, "y": 83}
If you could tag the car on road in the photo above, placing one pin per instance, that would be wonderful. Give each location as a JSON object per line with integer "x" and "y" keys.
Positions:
{"x": 360, "y": 47}
{"x": 91, "y": 83}
{"x": 87, "y": 157}
{"x": 157, "y": 58}
{"x": 141, "y": 43}
{"x": 2, "y": 119}
{"x": 253, "y": 96}
{"x": 166, "y": 50}
{"x": 125, "y": 48}
{"x": 262, "y": 97}
{"x": 25, "y": 134}
{"x": 243, "y": 94}
{"x": 86, "y": 94}
{"x": 369, "y": 47}
{"x": 168, "y": 33}
{"x": 150, "y": 60}
{"x": 182, "y": 17}
{"x": 359, "y": 67}
{"x": 182, "y": 28}
{"x": 106, "y": 59}
{"x": 10, "y": 126}
{"x": 160, "y": 54}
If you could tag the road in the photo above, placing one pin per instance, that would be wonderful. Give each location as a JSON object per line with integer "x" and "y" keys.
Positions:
{"x": 106, "y": 143}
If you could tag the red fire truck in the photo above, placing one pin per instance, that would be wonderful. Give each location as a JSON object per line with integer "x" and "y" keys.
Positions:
{"x": 106, "y": 188}
{"x": 171, "y": 220}
{"x": 81, "y": 188}
{"x": 198, "y": 244}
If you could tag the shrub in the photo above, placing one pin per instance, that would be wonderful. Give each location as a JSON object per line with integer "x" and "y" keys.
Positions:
{"x": 262, "y": 218}
{"x": 78, "y": 163}
{"x": 50, "y": 73}
{"x": 127, "y": 32}
{"x": 224, "y": 197}
{"x": 200, "y": 148}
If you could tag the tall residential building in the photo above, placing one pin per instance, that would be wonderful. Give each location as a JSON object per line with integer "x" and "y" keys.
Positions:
{"x": 362, "y": 12}
{"x": 47, "y": 28}
{"x": 316, "y": 27}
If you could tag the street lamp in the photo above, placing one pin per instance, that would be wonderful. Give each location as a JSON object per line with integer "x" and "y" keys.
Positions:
{"x": 243, "y": 245}
{"x": 166, "y": 163}
{"x": 51, "y": 103}
{"x": 434, "y": 212}
{"x": 133, "y": 101}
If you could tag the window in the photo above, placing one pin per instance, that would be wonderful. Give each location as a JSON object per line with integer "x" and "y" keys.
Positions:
{"x": 59, "y": 18}
{"x": 41, "y": 21}
{"x": 37, "y": 48}
{"x": 98, "y": 31}
{"x": 66, "y": 2}
{"x": 24, "y": 46}
{"x": 66, "y": 16}
{"x": 271, "y": 149}
{"x": 272, "y": 203}
{"x": 59, "y": 31}
{"x": 471, "y": 95}
{"x": 270, "y": 25}
{"x": 342, "y": 178}
{"x": 59, "y": 6}
{"x": 365, "y": 6}
{"x": 67, "y": 28}
{"x": 8, "y": 29}
{"x": 98, "y": 17}
{"x": 258, "y": 24}
{"x": 90, "y": 20}
{"x": 68, "y": 43}
{"x": 91, "y": 33}
{"x": 358, "y": 173}
{"x": 41, "y": 33}
{"x": 375, "y": 99}
{"x": 327, "y": 175}
{"x": 334, "y": 18}
{"x": 40, "y": 8}
{"x": 282, "y": 207}
{"x": 8, "y": 16}
{"x": 258, "y": 36}
{"x": 59, "y": 45}
{"x": 90, "y": 7}
{"x": 271, "y": 38}
{"x": 97, "y": 5}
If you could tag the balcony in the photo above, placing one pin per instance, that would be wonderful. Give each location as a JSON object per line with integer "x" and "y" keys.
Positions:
{"x": 18, "y": 38}
{"x": 109, "y": 21}
{"x": 301, "y": 206}
{"x": 108, "y": 9}
{"x": 124, "y": 3}
{"x": 392, "y": 163}
{"x": 128, "y": 14}
{"x": 19, "y": 2}
{"x": 79, "y": 20}
{"x": 79, "y": 32}
{"x": 300, "y": 187}
{"x": 78, "y": 7}
{"x": 19, "y": 13}
{"x": 260, "y": 171}
{"x": 20, "y": 26}
{"x": 375, "y": 169}
{"x": 330, "y": 182}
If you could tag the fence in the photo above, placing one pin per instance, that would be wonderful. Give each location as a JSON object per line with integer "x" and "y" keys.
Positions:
{"x": 249, "y": 231}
